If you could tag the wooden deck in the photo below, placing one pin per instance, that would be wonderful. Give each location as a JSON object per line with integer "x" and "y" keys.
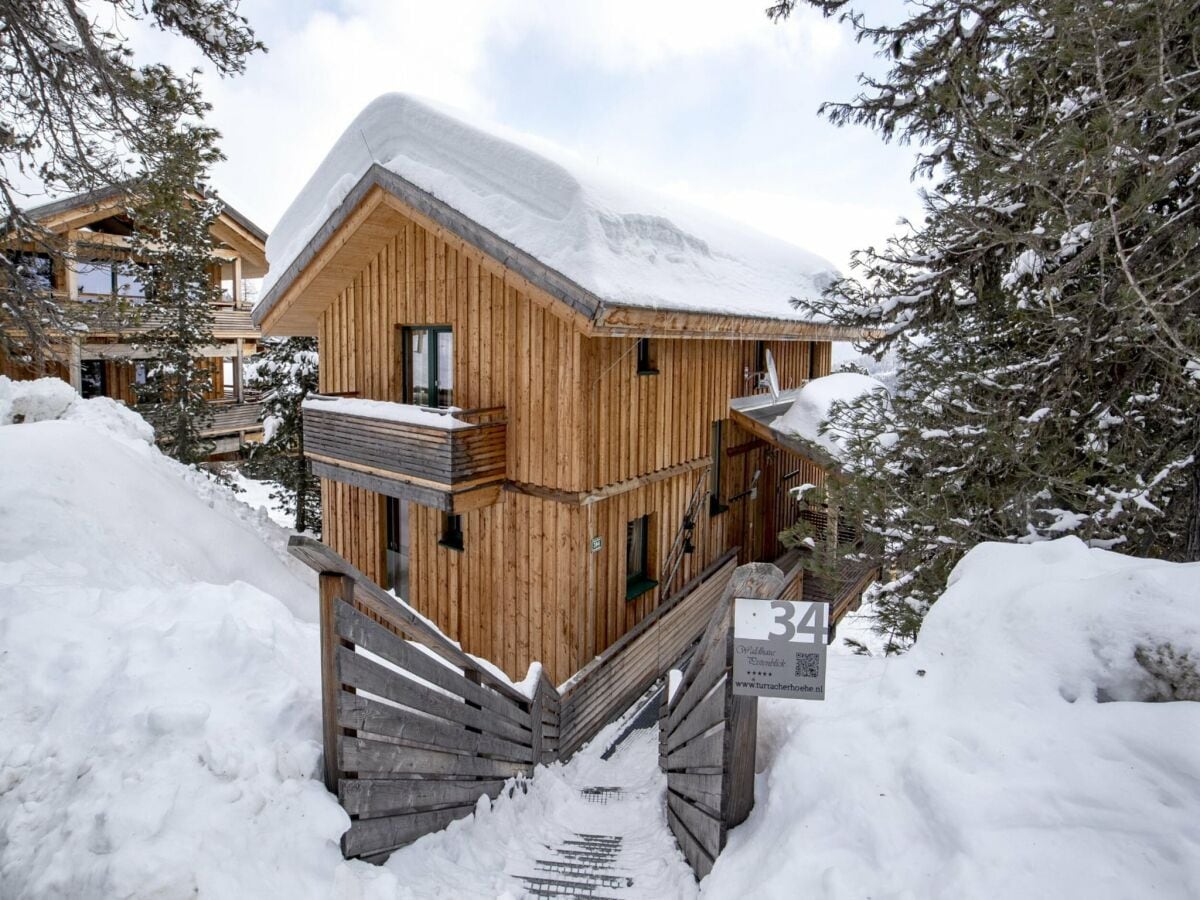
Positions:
{"x": 451, "y": 469}
{"x": 106, "y": 318}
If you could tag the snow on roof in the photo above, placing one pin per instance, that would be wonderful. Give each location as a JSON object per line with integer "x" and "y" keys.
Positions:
{"x": 813, "y": 402}
{"x": 629, "y": 247}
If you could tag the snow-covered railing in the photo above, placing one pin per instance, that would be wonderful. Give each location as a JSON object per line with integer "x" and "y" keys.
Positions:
{"x": 708, "y": 743}
{"x": 610, "y": 683}
{"x": 415, "y": 730}
{"x": 452, "y": 460}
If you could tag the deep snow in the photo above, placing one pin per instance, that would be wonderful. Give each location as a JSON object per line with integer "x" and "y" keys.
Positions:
{"x": 159, "y": 693}
{"x": 628, "y": 246}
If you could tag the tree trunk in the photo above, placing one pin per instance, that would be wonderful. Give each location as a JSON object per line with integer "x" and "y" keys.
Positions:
{"x": 1191, "y": 552}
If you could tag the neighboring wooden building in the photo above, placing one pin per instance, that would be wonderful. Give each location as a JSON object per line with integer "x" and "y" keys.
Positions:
{"x": 104, "y": 360}
{"x": 594, "y": 468}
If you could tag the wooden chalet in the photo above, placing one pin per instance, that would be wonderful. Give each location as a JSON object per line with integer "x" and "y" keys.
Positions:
{"x": 592, "y": 466}
{"x": 105, "y": 360}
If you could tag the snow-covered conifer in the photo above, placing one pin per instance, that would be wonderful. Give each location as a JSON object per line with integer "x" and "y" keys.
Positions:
{"x": 1047, "y": 311}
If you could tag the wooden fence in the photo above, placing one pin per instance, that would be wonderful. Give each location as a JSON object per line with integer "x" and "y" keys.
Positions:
{"x": 611, "y": 682}
{"x": 414, "y": 735}
{"x": 707, "y": 735}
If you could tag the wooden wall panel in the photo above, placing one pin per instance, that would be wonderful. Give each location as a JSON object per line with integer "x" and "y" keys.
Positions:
{"x": 20, "y": 372}
{"x": 526, "y": 586}
{"x": 644, "y": 423}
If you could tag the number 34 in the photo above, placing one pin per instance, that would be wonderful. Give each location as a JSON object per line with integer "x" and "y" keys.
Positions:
{"x": 784, "y": 620}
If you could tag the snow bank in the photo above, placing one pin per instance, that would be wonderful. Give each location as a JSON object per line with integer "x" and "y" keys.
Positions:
{"x": 984, "y": 763}
{"x": 629, "y": 247}
{"x": 159, "y": 688}
{"x": 813, "y": 402}
{"x": 52, "y": 398}
{"x": 388, "y": 411}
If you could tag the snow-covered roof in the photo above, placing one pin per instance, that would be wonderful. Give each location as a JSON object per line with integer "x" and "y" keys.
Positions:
{"x": 811, "y": 405}
{"x": 620, "y": 245}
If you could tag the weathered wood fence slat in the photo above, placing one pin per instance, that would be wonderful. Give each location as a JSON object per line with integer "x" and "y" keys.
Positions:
{"x": 707, "y": 735}
{"x": 415, "y": 735}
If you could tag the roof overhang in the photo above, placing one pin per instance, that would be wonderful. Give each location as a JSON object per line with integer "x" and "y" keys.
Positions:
{"x": 755, "y": 415}
{"x": 231, "y": 227}
{"x": 381, "y": 202}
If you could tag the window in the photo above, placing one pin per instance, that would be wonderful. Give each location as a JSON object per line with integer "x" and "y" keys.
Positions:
{"x": 452, "y": 533}
{"x": 106, "y": 277}
{"x": 93, "y": 382}
{"x": 645, "y": 365}
{"x": 36, "y": 270}
{"x": 429, "y": 366}
{"x": 397, "y": 545}
{"x": 760, "y": 356}
{"x": 715, "y": 506}
{"x": 637, "y": 558}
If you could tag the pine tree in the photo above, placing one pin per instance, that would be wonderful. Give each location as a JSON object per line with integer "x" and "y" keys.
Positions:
{"x": 1047, "y": 311}
{"x": 73, "y": 112}
{"x": 286, "y": 371}
{"x": 172, "y": 246}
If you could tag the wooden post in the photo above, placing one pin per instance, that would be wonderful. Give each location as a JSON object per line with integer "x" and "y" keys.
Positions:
{"x": 333, "y": 587}
{"x": 238, "y": 394}
{"x": 535, "y": 722}
{"x": 761, "y": 581}
{"x": 237, "y": 283}
{"x": 75, "y": 364}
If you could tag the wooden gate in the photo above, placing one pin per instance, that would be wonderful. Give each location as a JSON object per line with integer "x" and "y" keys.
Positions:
{"x": 707, "y": 735}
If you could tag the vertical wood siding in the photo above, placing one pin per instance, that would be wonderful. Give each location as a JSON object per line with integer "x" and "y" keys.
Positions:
{"x": 527, "y": 586}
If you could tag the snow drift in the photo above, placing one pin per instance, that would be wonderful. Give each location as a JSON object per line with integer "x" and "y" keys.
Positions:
{"x": 160, "y": 699}
{"x": 159, "y": 687}
{"x": 1006, "y": 755}
{"x": 627, "y": 246}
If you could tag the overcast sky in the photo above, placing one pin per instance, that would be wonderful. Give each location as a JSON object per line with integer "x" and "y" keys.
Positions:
{"x": 706, "y": 99}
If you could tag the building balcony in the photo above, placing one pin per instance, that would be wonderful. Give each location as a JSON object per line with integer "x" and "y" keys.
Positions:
{"x": 452, "y": 460}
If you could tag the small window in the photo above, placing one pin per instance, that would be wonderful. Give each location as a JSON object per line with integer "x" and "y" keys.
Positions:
{"x": 93, "y": 379}
{"x": 645, "y": 365}
{"x": 452, "y": 533}
{"x": 36, "y": 270}
{"x": 760, "y": 356}
{"x": 637, "y": 558}
{"x": 716, "y": 490}
{"x": 397, "y": 545}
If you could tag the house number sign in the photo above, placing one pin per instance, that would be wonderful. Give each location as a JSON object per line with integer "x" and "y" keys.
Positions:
{"x": 779, "y": 648}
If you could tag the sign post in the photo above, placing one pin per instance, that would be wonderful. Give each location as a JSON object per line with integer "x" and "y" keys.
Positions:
{"x": 779, "y": 648}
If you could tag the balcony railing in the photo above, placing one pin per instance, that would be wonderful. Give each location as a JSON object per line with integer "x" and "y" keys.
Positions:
{"x": 453, "y": 460}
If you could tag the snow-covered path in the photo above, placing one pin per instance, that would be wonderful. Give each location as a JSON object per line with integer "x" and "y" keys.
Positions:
{"x": 594, "y": 827}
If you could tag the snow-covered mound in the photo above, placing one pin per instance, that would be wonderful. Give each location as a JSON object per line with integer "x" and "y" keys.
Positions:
{"x": 159, "y": 695}
{"x": 627, "y": 246}
{"x": 813, "y": 402}
{"x": 1007, "y": 755}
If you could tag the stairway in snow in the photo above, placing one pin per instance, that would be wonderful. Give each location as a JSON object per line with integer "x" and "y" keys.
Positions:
{"x": 610, "y": 838}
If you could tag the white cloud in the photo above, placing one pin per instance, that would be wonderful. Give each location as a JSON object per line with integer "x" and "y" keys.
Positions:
{"x": 707, "y": 95}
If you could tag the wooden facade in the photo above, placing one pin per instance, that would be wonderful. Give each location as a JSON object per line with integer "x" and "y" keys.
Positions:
{"x": 591, "y": 445}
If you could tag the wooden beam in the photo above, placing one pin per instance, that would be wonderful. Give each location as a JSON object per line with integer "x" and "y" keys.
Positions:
{"x": 586, "y": 498}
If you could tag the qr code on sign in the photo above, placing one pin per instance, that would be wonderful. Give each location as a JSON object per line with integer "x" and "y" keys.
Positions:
{"x": 808, "y": 665}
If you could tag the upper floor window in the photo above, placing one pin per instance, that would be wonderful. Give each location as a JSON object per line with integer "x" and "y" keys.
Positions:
{"x": 429, "y": 365}
{"x": 717, "y": 471}
{"x": 34, "y": 269}
{"x": 106, "y": 278}
{"x": 645, "y": 362}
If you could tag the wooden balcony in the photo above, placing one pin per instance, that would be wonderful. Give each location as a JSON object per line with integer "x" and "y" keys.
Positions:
{"x": 449, "y": 461}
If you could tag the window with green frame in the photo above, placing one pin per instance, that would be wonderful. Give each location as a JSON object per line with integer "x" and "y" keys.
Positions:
{"x": 428, "y": 365}
{"x": 637, "y": 558}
